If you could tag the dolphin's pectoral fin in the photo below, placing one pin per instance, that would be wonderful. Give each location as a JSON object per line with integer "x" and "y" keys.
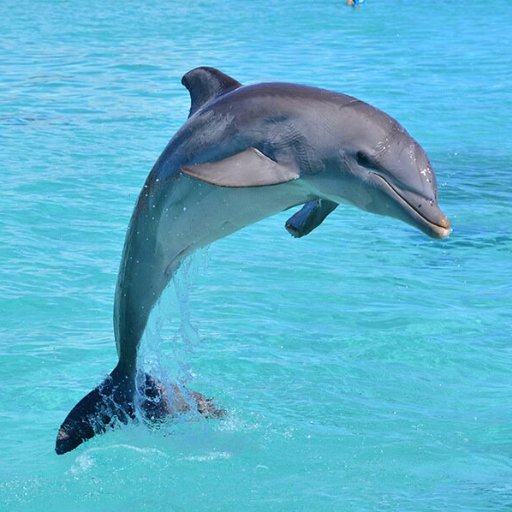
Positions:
{"x": 309, "y": 217}
{"x": 250, "y": 168}
{"x": 204, "y": 84}
{"x": 112, "y": 403}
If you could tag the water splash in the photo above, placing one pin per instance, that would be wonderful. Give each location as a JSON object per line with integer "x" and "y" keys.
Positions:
{"x": 167, "y": 348}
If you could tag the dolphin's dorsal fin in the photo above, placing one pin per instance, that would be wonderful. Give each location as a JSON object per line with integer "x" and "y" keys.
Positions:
{"x": 204, "y": 84}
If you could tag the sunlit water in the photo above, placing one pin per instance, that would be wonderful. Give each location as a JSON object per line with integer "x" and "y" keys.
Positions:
{"x": 364, "y": 367}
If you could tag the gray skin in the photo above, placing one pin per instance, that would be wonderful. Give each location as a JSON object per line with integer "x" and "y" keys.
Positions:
{"x": 246, "y": 153}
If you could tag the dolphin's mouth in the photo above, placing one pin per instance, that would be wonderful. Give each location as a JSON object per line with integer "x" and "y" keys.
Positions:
{"x": 422, "y": 213}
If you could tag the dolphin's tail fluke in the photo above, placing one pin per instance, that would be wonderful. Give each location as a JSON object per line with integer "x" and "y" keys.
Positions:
{"x": 105, "y": 406}
{"x": 112, "y": 403}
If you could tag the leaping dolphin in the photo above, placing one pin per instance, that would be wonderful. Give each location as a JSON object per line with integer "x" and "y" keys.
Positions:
{"x": 247, "y": 152}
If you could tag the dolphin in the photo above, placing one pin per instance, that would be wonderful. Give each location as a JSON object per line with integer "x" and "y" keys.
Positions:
{"x": 246, "y": 152}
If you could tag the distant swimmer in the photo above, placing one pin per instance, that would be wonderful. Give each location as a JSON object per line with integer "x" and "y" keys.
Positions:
{"x": 355, "y": 3}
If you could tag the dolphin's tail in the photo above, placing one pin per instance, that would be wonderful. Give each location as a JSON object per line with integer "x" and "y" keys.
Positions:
{"x": 112, "y": 402}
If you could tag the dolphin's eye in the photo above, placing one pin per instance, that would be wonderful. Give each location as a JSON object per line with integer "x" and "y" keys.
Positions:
{"x": 369, "y": 162}
{"x": 364, "y": 160}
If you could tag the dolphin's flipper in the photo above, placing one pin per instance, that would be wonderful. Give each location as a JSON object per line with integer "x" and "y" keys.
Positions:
{"x": 205, "y": 84}
{"x": 309, "y": 217}
{"x": 250, "y": 168}
{"x": 112, "y": 402}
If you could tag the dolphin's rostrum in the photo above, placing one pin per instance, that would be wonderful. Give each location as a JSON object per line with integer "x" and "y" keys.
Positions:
{"x": 247, "y": 152}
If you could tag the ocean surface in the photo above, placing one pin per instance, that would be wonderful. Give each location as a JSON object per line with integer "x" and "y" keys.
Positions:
{"x": 364, "y": 367}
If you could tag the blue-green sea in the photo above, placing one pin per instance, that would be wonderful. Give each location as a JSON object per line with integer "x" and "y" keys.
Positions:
{"x": 364, "y": 367}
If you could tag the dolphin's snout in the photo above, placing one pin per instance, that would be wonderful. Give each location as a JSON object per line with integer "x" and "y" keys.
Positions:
{"x": 444, "y": 222}
{"x": 427, "y": 216}
{"x": 442, "y": 227}
{"x": 435, "y": 222}
{"x": 418, "y": 211}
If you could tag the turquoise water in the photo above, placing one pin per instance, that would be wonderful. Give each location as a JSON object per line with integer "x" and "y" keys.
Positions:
{"x": 364, "y": 367}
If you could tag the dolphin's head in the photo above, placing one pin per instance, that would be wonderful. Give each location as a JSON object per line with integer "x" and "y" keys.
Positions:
{"x": 385, "y": 171}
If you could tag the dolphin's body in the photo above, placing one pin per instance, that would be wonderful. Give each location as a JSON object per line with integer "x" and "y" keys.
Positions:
{"x": 246, "y": 153}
